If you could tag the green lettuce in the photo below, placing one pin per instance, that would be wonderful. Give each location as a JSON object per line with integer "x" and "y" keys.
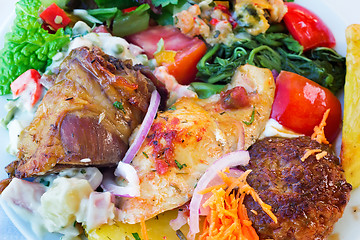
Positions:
{"x": 27, "y": 46}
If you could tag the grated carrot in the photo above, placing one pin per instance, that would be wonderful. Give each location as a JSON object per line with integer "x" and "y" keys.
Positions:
{"x": 320, "y": 155}
{"x": 319, "y": 134}
{"x": 228, "y": 218}
{"x": 309, "y": 152}
{"x": 143, "y": 230}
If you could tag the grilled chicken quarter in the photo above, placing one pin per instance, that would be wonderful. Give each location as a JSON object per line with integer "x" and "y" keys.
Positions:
{"x": 186, "y": 139}
{"x": 95, "y": 103}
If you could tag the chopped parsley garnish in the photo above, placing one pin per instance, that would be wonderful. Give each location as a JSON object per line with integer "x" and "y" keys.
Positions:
{"x": 82, "y": 171}
{"x": 136, "y": 236}
{"x": 251, "y": 118}
{"x": 145, "y": 154}
{"x": 45, "y": 182}
{"x": 119, "y": 106}
{"x": 179, "y": 165}
{"x": 172, "y": 107}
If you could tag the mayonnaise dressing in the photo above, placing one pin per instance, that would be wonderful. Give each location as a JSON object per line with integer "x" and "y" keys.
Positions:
{"x": 275, "y": 129}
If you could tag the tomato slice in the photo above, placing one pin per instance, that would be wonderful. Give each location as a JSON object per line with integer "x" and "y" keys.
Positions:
{"x": 307, "y": 28}
{"x": 300, "y": 104}
{"x": 189, "y": 51}
{"x": 28, "y": 82}
{"x": 184, "y": 67}
{"x": 55, "y": 17}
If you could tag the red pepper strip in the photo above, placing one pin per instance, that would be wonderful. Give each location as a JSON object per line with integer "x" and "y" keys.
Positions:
{"x": 130, "y": 9}
{"x": 55, "y": 17}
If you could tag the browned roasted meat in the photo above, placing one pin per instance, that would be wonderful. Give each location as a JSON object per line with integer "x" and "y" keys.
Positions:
{"x": 90, "y": 111}
{"x": 307, "y": 196}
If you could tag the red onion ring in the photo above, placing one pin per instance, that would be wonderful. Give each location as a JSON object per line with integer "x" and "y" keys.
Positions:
{"x": 229, "y": 160}
{"x": 144, "y": 129}
{"x": 233, "y": 172}
{"x": 128, "y": 172}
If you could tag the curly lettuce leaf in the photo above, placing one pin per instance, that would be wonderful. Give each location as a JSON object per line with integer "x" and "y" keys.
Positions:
{"x": 27, "y": 46}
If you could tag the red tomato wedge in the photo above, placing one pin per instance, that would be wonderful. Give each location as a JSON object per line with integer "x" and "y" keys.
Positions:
{"x": 300, "y": 104}
{"x": 28, "y": 82}
{"x": 307, "y": 28}
{"x": 55, "y": 17}
{"x": 189, "y": 51}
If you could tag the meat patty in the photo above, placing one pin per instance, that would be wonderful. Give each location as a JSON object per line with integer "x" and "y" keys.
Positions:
{"x": 307, "y": 197}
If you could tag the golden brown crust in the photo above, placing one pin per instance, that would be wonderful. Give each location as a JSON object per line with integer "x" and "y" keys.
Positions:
{"x": 77, "y": 118}
{"x": 307, "y": 197}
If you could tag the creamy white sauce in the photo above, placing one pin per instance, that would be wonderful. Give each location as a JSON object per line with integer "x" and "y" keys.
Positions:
{"x": 111, "y": 45}
{"x": 23, "y": 116}
{"x": 275, "y": 129}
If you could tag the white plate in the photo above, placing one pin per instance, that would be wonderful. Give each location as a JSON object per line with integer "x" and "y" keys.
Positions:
{"x": 337, "y": 15}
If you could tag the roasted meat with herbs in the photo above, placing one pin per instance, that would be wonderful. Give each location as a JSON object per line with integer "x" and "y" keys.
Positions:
{"x": 307, "y": 194}
{"x": 95, "y": 103}
{"x": 186, "y": 139}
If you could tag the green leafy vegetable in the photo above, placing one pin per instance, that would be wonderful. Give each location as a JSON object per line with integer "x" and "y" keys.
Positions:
{"x": 277, "y": 51}
{"x": 119, "y": 106}
{"x": 205, "y": 90}
{"x": 179, "y": 165}
{"x": 169, "y": 9}
{"x": 252, "y": 117}
{"x": 121, "y": 4}
{"x": 132, "y": 22}
{"x": 27, "y": 46}
{"x": 103, "y": 14}
{"x": 136, "y": 236}
{"x": 164, "y": 3}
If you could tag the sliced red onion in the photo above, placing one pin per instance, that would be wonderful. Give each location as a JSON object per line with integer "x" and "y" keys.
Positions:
{"x": 217, "y": 180}
{"x": 181, "y": 219}
{"x": 128, "y": 172}
{"x": 178, "y": 222}
{"x": 144, "y": 129}
{"x": 241, "y": 139}
{"x": 275, "y": 74}
{"x": 229, "y": 160}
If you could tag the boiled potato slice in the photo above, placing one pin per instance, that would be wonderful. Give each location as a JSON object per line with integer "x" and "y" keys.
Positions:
{"x": 350, "y": 149}
{"x": 158, "y": 228}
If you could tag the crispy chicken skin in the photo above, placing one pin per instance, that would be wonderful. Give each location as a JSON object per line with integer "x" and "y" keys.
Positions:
{"x": 186, "y": 139}
{"x": 78, "y": 119}
{"x": 307, "y": 196}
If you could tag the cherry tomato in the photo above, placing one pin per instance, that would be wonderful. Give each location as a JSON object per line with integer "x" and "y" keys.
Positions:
{"x": 55, "y": 17}
{"x": 189, "y": 51}
{"x": 300, "y": 104}
{"x": 307, "y": 28}
{"x": 29, "y": 83}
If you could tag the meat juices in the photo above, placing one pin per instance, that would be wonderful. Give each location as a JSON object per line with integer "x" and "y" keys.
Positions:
{"x": 307, "y": 196}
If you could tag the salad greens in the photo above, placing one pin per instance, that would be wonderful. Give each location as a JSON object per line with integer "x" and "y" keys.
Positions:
{"x": 276, "y": 51}
{"x": 27, "y": 46}
{"x": 132, "y": 22}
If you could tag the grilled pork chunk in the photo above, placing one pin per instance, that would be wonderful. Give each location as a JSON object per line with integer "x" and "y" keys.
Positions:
{"x": 95, "y": 103}
{"x": 186, "y": 139}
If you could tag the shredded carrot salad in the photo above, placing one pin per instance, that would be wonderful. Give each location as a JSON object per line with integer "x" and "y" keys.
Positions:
{"x": 143, "y": 230}
{"x": 319, "y": 134}
{"x": 228, "y": 217}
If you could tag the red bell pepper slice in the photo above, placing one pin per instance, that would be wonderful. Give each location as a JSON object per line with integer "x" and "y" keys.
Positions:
{"x": 55, "y": 17}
